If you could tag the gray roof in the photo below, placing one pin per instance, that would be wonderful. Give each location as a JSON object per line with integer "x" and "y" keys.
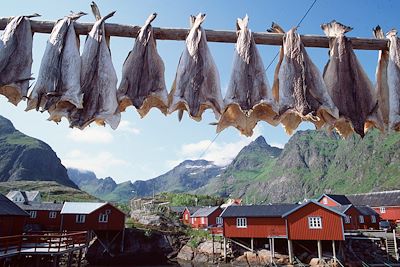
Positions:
{"x": 340, "y": 199}
{"x": 376, "y": 199}
{"x": 204, "y": 211}
{"x": 28, "y": 195}
{"x": 342, "y": 208}
{"x": 273, "y": 210}
{"x": 41, "y": 206}
{"x": 81, "y": 207}
{"x": 7, "y": 207}
{"x": 366, "y": 210}
{"x": 192, "y": 209}
{"x": 178, "y": 209}
{"x": 316, "y": 203}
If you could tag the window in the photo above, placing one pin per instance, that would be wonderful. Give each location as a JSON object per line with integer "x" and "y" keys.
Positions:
{"x": 52, "y": 214}
{"x": 241, "y": 222}
{"x": 373, "y": 219}
{"x": 383, "y": 210}
{"x": 32, "y": 214}
{"x": 80, "y": 218}
{"x": 203, "y": 220}
{"x": 103, "y": 218}
{"x": 186, "y": 217}
{"x": 219, "y": 220}
{"x": 315, "y": 222}
{"x": 192, "y": 219}
{"x": 347, "y": 219}
{"x": 361, "y": 219}
{"x": 325, "y": 200}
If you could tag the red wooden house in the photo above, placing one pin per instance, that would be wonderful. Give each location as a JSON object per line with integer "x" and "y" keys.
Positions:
{"x": 89, "y": 216}
{"x": 333, "y": 200}
{"x": 205, "y": 217}
{"x": 42, "y": 216}
{"x": 187, "y": 214}
{"x": 386, "y": 203}
{"x": 12, "y": 218}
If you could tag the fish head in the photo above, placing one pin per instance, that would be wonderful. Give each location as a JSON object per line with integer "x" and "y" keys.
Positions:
{"x": 335, "y": 29}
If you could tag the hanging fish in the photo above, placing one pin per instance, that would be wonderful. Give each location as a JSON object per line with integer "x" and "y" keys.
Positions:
{"x": 143, "y": 83}
{"x": 393, "y": 75}
{"x": 348, "y": 85}
{"x": 196, "y": 86}
{"x": 249, "y": 97}
{"x": 16, "y": 58}
{"x": 57, "y": 88}
{"x": 98, "y": 80}
{"x": 382, "y": 87}
{"x": 302, "y": 92}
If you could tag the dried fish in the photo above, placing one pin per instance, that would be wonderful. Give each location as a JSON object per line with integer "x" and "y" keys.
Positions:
{"x": 302, "y": 92}
{"x": 249, "y": 97}
{"x": 16, "y": 58}
{"x": 382, "y": 87}
{"x": 98, "y": 80}
{"x": 348, "y": 85}
{"x": 57, "y": 88}
{"x": 196, "y": 86}
{"x": 393, "y": 74}
{"x": 143, "y": 83}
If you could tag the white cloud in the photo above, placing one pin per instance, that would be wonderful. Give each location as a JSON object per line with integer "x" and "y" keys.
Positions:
{"x": 101, "y": 163}
{"x": 126, "y": 126}
{"x": 91, "y": 135}
{"x": 279, "y": 145}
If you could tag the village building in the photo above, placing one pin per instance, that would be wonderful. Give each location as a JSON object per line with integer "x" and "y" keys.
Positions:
{"x": 42, "y": 216}
{"x": 386, "y": 203}
{"x": 187, "y": 213}
{"x": 205, "y": 217}
{"x": 12, "y": 218}
{"x": 24, "y": 196}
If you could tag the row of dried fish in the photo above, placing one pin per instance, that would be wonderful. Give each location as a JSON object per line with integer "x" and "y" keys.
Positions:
{"x": 83, "y": 88}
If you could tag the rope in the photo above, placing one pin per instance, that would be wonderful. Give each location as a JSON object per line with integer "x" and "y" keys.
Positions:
{"x": 205, "y": 150}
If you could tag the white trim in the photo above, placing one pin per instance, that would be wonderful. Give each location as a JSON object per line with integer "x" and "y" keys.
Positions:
{"x": 382, "y": 210}
{"x": 80, "y": 218}
{"x": 314, "y": 222}
{"x": 241, "y": 222}
{"x": 219, "y": 220}
{"x": 32, "y": 214}
{"x": 52, "y": 214}
{"x": 347, "y": 219}
{"x": 361, "y": 219}
{"x": 373, "y": 219}
{"x": 103, "y": 218}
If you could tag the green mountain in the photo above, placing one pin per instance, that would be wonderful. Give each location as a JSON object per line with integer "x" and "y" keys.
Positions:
{"x": 311, "y": 163}
{"x": 23, "y": 158}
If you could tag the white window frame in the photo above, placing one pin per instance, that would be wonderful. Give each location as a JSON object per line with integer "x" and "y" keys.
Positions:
{"x": 187, "y": 217}
{"x": 373, "y": 219}
{"x": 325, "y": 200}
{"x": 347, "y": 219}
{"x": 80, "y": 218}
{"x": 202, "y": 220}
{"x": 361, "y": 219}
{"x": 192, "y": 220}
{"x": 219, "y": 220}
{"x": 32, "y": 214}
{"x": 315, "y": 222}
{"x": 52, "y": 214}
{"x": 382, "y": 209}
{"x": 241, "y": 222}
{"x": 103, "y": 218}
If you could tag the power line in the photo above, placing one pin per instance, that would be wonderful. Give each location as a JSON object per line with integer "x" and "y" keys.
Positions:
{"x": 298, "y": 25}
{"x": 205, "y": 150}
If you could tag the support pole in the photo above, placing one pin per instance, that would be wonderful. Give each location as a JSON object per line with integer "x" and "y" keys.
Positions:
{"x": 334, "y": 251}
{"x": 252, "y": 244}
{"x": 55, "y": 261}
{"x": 213, "y": 250}
{"x": 290, "y": 250}
{"x": 123, "y": 240}
{"x": 273, "y": 247}
{"x": 319, "y": 244}
{"x": 79, "y": 257}
{"x": 224, "y": 249}
{"x": 69, "y": 263}
{"x": 270, "y": 248}
{"x": 395, "y": 245}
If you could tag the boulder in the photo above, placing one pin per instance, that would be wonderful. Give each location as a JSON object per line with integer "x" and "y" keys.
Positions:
{"x": 200, "y": 257}
{"x": 240, "y": 261}
{"x": 314, "y": 262}
{"x": 186, "y": 253}
{"x": 207, "y": 248}
{"x": 264, "y": 256}
{"x": 252, "y": 258}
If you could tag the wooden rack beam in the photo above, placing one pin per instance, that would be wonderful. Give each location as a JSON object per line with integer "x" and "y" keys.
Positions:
{"x": 131, "y": 31}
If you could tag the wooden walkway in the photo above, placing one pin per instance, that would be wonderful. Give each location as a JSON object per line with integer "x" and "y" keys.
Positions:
{"x": 44, "y": 243}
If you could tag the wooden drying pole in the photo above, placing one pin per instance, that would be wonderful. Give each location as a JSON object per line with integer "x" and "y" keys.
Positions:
{"x": 131, "y": 31}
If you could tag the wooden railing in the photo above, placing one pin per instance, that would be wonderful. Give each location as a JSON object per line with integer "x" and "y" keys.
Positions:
{"x": 43, "y": 242}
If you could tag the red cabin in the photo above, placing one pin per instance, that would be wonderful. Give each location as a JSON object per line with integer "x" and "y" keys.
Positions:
{"x": 386, "y": 204}
{"x": 12, "y": 218}
{"x": 332, "y": 200}
{"x": 187, "y": 214}
{"x": 89, "y": 216}
{"x": 205, "y": 217}
{"x": 42, "y": 216}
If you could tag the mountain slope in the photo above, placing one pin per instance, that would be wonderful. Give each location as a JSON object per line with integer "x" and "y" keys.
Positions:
{"x": 26, "y": 158}
{"x": 312, "y": 163}
{"x": 88, "y": 182}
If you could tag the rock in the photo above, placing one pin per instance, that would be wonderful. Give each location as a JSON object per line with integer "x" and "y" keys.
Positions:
{"x": 314, "y": 262}
{"x": 264, "y": 256}
{"x": 252, "y": 258}
{"x": 186, "y": 253}
{"x": 240, "y": 261}
{"x": 200, "y": 257}
{"x": 207, "y": 248}
{"x": 303, "y": 256}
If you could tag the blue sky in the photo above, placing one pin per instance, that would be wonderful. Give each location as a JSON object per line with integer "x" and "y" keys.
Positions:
{"x": 145, "y": 148}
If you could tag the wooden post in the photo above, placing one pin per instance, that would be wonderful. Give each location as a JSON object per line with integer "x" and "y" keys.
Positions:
{"x": 395, "y": 245}
{"x": 80, "y": 257}
{"x": 319, "y": 245}
{"x": 69, "y": 262}
{"x": 252, "y": 244}
{"x": 213, "y": 251}
{"x": 334, "y": 251}
{"x": 270, "y": 248}
{"x": 123, "y": 240}
{"x": 290, "y": 250}
{"x": 273, "y": 247}
{"x": 55, "y": 261}
{"x": 224, "y": 249}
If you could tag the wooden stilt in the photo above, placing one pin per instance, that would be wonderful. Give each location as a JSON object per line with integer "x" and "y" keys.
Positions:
{"x": 55, "y": 260}
{"x": 79, "y": 257}
{"x": 213, "y": 251}
{"x": 273, "y": 247}
{"x": 334, "y": 251}
{"x": 224, "y": 249}
{"x": 123, "y": 240}
{"x": 69, "y": 262}
{"x": 319, "y": 245}
{"x": 252, "y": 244}
{"x": 290, "y": 250}
{"x": 270, "y": 248}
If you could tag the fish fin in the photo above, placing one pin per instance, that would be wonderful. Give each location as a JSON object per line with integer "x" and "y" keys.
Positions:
{"x": 34, "y": 15}
{"x": 95, "y": 10}
{"x": 75, "y": 16}
{"x": 192, "y": 19}
{"x": 150, "y": 18}
{"x": 391, "y": 33}
{"x": 180, "y": 114}
{"x": 334, "y": 28}
{"x": 275, "y": 28}
{"x": 242, "y": 23}
{"x": 109, "y": 15}
{"x": 378, "y": 32}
